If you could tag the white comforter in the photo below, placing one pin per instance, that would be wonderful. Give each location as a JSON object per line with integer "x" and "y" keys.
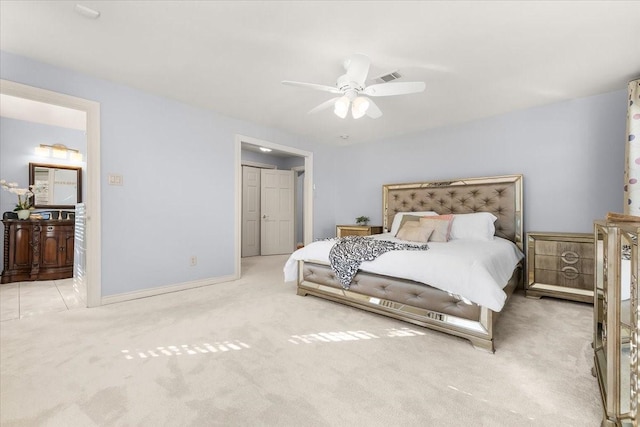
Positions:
{"x": 476, "y": 270}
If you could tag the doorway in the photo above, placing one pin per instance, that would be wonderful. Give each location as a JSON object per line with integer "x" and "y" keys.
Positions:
{"x": 269, "y": 213}
{"x": 91, "y": 279}
{"x": 307, "y": 184}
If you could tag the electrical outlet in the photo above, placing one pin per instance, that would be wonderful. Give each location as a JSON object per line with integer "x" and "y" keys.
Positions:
{"x": 194, "y": 260}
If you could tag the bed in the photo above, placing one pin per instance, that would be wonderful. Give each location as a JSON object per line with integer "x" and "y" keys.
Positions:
{"x": 420, "y": 296}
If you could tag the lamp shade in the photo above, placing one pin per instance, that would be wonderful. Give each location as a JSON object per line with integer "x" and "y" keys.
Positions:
{"x": 359, "y": 107}
{"x": 58, "y": 151}
{"x": 42, "y": 151}
{"x": 341, "y": 107}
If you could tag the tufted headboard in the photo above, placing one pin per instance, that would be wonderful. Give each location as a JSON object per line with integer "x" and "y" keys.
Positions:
{"x": 500, "y": 195}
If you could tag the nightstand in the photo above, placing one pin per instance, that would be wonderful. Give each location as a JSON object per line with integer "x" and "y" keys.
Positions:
{"x": 357, "y": 230}
{"x": 560, "y": 265}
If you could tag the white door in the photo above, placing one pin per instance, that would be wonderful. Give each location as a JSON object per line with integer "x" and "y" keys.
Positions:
{"x": 250, "y": 211}
{"x": 276, "y": 209}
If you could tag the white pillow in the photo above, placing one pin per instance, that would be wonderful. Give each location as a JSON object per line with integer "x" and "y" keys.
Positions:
{"x": 397, "y": 219}
{"x": 473, "y": 226}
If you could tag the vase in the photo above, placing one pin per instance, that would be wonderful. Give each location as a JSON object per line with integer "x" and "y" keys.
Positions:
{"x": 24, "y": 214}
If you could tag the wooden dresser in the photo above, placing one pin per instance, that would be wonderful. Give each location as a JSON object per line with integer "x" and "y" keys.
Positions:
{"x": 357, "y": 230}
{"x": 37, "y": 250}
{"x": 560, "y": 265}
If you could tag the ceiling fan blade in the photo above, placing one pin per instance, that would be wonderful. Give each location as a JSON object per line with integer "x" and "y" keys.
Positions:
{"x": 324, "y": 105}
{"x": 394, "y": 88}
{"x": 373, "y": 111}
{"x": 357, "y": 68}
{"x": 314, "y": 86}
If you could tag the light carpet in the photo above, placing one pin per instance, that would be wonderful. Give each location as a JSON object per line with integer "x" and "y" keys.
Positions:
{"x": 253, "y": 353}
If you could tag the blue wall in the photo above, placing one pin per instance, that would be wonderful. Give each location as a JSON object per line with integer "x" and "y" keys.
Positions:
{"x": 178, "y": 167}
{"x": 177, "y": 162}
{"x": 570, "y": 153}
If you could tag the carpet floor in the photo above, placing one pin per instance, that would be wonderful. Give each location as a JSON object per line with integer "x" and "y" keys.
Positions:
{"x": 253, "y": 353}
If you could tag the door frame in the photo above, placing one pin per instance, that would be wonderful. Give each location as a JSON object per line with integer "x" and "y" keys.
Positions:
{"x": 296, "y": 173}
{"x": 92, "y": 109}
{"x": 307, "y": 196}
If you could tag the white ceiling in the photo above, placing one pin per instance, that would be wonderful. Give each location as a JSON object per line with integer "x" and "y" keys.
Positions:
{"x": 477, "y": 58}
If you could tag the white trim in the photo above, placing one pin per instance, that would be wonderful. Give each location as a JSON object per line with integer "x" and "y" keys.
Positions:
{"x": 307, "y": 196}
{"x": 237, "y": 221}
{"x": 309, "y": 188}
{"x": 92, "y": 109}
{"x": 151, "y": 292}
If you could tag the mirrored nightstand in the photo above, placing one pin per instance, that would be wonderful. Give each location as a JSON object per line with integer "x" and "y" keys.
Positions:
{"x": 357, "y": 230}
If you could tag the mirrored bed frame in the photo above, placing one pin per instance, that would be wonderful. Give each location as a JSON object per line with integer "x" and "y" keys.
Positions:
{"x": 415, "y": 302}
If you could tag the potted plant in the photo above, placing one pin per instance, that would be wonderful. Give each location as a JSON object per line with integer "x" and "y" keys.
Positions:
{"x": 362, "y": 220}
{"x": 23, "y": 207}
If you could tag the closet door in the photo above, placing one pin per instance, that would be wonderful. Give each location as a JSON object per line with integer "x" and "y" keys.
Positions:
{"x": 250, "y": 211}
{"x": 276, "y": 203}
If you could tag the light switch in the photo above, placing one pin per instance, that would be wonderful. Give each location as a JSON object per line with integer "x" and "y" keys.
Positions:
{"x": 115, "y": 179}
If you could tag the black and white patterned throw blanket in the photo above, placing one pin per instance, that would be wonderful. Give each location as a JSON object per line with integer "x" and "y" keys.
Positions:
{"x": 348, "y": 253}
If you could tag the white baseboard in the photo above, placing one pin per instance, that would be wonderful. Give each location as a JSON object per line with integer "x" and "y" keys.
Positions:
{"x": 128, "y": 296}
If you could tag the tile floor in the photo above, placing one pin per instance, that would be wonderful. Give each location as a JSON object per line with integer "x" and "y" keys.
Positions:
{"x": 24, "y": 299}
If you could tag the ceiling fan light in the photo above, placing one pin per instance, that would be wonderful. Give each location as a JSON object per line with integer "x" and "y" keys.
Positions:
{"x": 341, "y": 107}
{"x": 359, "y": 107}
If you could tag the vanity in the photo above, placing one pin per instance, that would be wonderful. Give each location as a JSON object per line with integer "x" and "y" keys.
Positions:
{"x": 37, "y": 249}
{"x": 42, "y": 246}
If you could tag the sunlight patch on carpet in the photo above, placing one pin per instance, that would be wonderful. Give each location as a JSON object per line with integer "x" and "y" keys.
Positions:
{"x": 341, "y": 336}
{"x": 185, "y": 349}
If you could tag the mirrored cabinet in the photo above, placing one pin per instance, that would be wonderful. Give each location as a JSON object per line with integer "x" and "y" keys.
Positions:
{"x": 616, "y": 320}
{"x": 560, "y": 265}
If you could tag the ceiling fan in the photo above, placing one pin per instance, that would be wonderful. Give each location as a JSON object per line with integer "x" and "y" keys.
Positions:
{"x": 352, "y": 90}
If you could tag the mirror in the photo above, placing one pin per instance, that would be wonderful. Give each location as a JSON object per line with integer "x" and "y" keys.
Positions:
{"x": 628, "y": 249}
{"x": 600, "y": 321}
{"x": 55, "y": 186}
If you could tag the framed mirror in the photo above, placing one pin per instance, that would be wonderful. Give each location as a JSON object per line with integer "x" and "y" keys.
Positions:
{"x": 55, "y": 186}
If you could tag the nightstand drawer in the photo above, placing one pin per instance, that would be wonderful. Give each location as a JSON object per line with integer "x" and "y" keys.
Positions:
{"x": 568, "y": 277}
{"x": 579, "y": 265}
{"x": 569, "y": 250}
